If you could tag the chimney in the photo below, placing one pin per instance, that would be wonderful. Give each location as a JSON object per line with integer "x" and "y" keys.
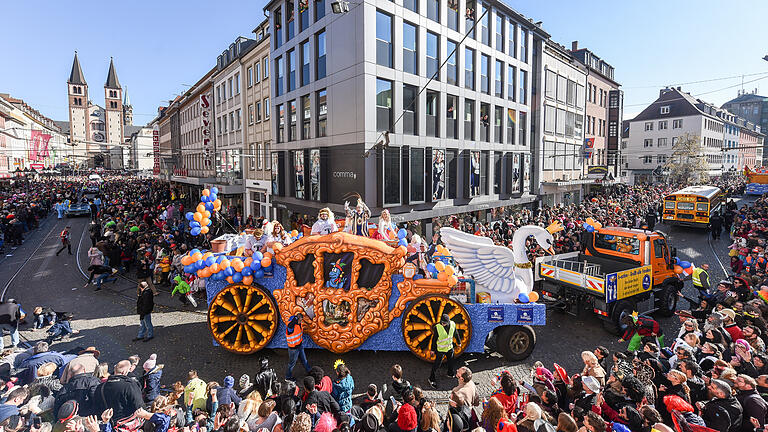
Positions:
{"x": 574, "y": 46}
{"x": 678, "y": 88}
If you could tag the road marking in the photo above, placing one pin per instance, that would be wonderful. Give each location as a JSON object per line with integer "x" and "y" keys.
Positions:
{"x": 42, "y": 241}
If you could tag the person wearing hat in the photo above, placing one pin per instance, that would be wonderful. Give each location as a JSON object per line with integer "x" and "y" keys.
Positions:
{"x": 68, "y": 411}
{"x": 153, "y": 373}
{"x": 729, "y": 324}
{"x": 226, "y": 393}
{"x": 638, "y": 327}
{"x": 263, "y": 380}
{"x": 87, "y": 358}
{"x": 442, "y": 347}
{"x": 144, "y": 306}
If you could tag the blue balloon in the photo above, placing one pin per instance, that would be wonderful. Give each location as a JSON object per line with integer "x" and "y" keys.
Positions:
{"x": 258, "y": 274}
{"x": 204, "y": 199}
{"x": 523, "y": 298}
{"x": 200, "y": 264}
{"x": 402, "y": 233}
{"x": 194, "y": 251}
{"x": 237, "y": 278}
{"x": 195, "y": 231}
{"x": 257, "y": 256}
{"x": 685, "y": 264}
{"x": 210, "y": 261}
{"x": 417, "y": 277}
{"x": 229, "y": 271}
{"x": 209, "y": 206}
{"x": 189, "y": 269}
{"x": 219, "y": 259}
{"x": 214, "y": 190}
{"x": 402, "y": 242}
{"x": 677, "y": 260}
{"x": 246, "y": 271}
{"x": 431, "y": 268}
{"x": 194, "y": 224}
{"x": 212, "y": 197}
{"x": 590, "y": 228}
{"x": 190, "y": 216}
{"x": 586, "y": 225}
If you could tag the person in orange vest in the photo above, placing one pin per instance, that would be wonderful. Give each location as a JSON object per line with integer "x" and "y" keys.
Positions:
{"x": 65, "y": 243}
{"x": 294, "y": 336}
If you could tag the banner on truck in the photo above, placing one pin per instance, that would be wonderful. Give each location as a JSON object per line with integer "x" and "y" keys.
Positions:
{"x": 628, "y": 283}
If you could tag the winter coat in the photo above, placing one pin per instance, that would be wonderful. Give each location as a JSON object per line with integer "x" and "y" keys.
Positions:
{"x": 226, "y": 395}
{"x": 324, "y": 401}
{"x": 88, "y": 360}
{"x": 120, "y": 393}
{"x": 145, "y": 303}
{"x": 80, "y": 388}
{"x": 342, "y": 392}
{"x": 33, "y": 362}
{"x": 753, "y": 406}
{"x": 151, "y": 383}
{"x": 723, "y": 415}
{"x": 263, "y": 381}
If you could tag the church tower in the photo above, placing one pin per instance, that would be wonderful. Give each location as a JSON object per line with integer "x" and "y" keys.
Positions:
{"x": 127, "y": 110}
{"x": 113, "y": 106}
{"x": 77, "y": 91}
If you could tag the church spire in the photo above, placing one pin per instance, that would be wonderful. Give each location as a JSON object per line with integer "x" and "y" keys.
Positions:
{"x": 127, "y": 101}
{"x": 112, "y": 81}
{"x": 76, "y": 76}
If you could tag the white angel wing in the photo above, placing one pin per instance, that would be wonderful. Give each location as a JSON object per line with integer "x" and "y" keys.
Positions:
{"x": 492, "y": 266}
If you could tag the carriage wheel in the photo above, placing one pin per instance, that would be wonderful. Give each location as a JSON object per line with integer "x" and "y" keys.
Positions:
{"x": 422, "y": 315}
{"x": 243, "y": 318}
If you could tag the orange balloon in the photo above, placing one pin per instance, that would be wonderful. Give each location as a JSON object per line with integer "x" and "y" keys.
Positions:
{"x": 267, "y": 254}
{"x": 440, "y": 266}
{"x": 247, "y": 280}
{"x": 266, "y": 262}
{"x": 207, "y": 214}
{"x": 533, "y": 296}
{"x": 452, "y": 280}
{"x": 442, "y": 276}
{"x": 678, "y": 269}
{"x": 206, "y": 192}
{"x": 201, "y": 208}
{"x": 237, "y": 264}
{"x": 248, "y": 261}
{"x": 206, "y": 272}
{"x": 197, "y": 257}
{"x": 204, "y": 229}
{"x": 207, "y": 254}
{"x": 197, "y": 216}
{"x": 449, "y": 270}
{"x": 277, "y": 247}
{"x": 200, "y": 273}
{"x": 294, "y": 233}
{"x": 186, "y": 260}
{"x": 229, "y": 279}
{"x": 214, "y": 268}
{"x": 224, "y": 264}
{"x": 217, "y": 203}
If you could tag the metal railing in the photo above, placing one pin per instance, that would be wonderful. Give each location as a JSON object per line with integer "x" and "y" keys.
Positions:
{"x": 583, "y": 267}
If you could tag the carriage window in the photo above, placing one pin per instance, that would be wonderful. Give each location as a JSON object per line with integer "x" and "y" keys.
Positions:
{"x": 370, "y": 274}
{"x": 669, "y": 205}
{"x": 627, "y": 245}
{"x": 304, "y": 270}
{"x": 702, "y": 207}
{"x": 685, "y": 206}
{"x": 337, "y": 268}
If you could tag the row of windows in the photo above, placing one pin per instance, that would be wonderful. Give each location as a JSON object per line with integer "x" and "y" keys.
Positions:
{"x": 595, "y": 126}
{"x": 713, "y": 142}
{"x": 563, "y": 123}
{"x": 77, "y": 90}
{"x": 321, "y": 118}
{"x": 77, "y": 101}
{"x": 234, "y": 124}
{"x": 660, "y": 159}
{"x": 193, "y": 136}
{"x": 228, "y": 89}
{"x": 663, "y": 125}
{"x": 596, "y": 95}
{"x": 194, "y": 161}
{"x": 254, "y": 111}
{"x": 253, "y": 72}
{"x": 291, "y": 74}
{"x": 258, "y": 156}
{"x": 498, "y": 117}
{"x": 558, "y": 156}
{"x": 661, "y": 142}
{"x": 289, "y": 21}
{"x": 563, "y": 90}
{"x": 713, "y": 125}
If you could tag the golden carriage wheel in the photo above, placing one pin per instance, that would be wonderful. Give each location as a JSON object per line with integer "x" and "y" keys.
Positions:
{"x": 243, "y": 318}
{"x": 419, "y": 321}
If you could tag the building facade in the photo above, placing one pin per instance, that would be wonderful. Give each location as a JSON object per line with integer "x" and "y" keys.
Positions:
{"x": 753, "y": 108}
{"x": 377, "y": 115}
{"x": 140, "y": 155}
{"x": 559, "y": 170}
{"x": 258, "y": 131}
{"x": 731, "y": 160}
{"x": 750, "y": 144}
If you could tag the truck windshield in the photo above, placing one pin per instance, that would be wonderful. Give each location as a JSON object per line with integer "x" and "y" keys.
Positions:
{"x": 616, "y": 243}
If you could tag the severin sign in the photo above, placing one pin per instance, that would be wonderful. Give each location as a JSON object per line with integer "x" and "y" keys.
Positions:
{"x": 156, "y": 149}
{"x": 205, "y": 112}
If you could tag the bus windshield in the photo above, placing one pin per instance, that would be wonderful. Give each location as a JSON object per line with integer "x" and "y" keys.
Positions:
{"x": 685, "y": 206}
{"x": 627, "y": 245}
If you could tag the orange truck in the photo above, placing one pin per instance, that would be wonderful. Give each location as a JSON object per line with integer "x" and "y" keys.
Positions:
{"x": 618, "y": 271}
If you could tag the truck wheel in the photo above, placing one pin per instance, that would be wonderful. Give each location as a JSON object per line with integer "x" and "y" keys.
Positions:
{"x": 667, "y": 303}
{"x": 613, "y": 325}
{"x": 516, "y": 343}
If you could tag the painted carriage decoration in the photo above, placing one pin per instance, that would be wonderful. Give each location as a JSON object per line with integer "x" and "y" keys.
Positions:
{"x": 348, "y": 288}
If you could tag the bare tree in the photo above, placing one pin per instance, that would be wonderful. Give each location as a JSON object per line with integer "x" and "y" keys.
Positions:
{"x": 687, "y": 163}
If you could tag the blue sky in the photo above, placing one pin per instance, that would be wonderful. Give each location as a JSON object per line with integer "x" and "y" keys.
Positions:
{"x": 159, "y": 46}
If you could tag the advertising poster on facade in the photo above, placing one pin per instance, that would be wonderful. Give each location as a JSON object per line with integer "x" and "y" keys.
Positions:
{"x": 526, "y": 173}
{"x": 438, "y": 174}
{"x": 516, "y": 173}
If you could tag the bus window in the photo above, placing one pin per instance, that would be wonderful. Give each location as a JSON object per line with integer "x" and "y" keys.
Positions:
{"x": 626, "y": 245}
{"x": 701, "y": 207}
{"x": 669, "y": 205}
{"x": 685, "y": 206}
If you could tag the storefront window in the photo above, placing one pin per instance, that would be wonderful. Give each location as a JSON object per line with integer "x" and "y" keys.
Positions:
{"x": 474, "y": 173}
{"x": 298, "y": 168}
{"x": 314, "y": 172}
{"x": 417, "y": 174}
{"x": 392, "y": 175}
{"x": 275, "y": 166}
{"x": 438, "y": 174}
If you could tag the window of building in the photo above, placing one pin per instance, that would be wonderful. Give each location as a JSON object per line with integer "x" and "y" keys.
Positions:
{"x": 560, "y": 122}
{"x": 232, "y": 121}
{"x": 291, "y": 59}
{"x": 303, "y": 15}
{"x": 451, "y": 72}
{"x": 451, "y": 117}
{"x": 250, "y": 76}
{"x": 266, "y": 67}
{"x": 259, "y": 156}
{"x": 499, "y": 32}
{"x": 322, "y": 113}
{"x": 275, "y": 166}
{"x": 410, "y": 56}
{"x": 258, "y": 111}
{"x": 485, "y": 24}
{"x": 524, "y": 45}
{"x": 647, "y": 159}
{"x": 266, "y": 108}
{"x": 433, "y": 56}
{"x": 292, "y": 121}
{"x": 662, "y": 142}
{"x": 433, "y": 104}
{"x": 664, "y": 109}
{"x": 320, "y": 69}
{"x": 511, "y": 119}
{"x": 251, "y": 161}
{"x": 469, "y": 68}
{"x": 647, "y": 143}
{"x": 433, "y": 10}
{"x": 498, "y": 87}
{"x": 662, "y": 125}
{"x": 411, "y": 5}
{"x": 570, "y": 97}
{"x": 319, "y": 9}
{"x": 250, "y": 114}
{"x": 231, "y": 88}
{"x": 304, "y": 50}
{"x": 279, "y": 76}
{"x": 469, "y": 119}
{"x": 484, "y": 80}
{"x": 523, "y": 93}
{"x": 410, "y": 109}
{"x": 677, "y": 124}
{"x": 297, "y": 157}
{"x": 498, "y": 119}
{"x": 289, "y": 21}
{"x": 648, "y": 126}
{"x": 314, "y": 174}
{"x": 550, "y": 85}
{"x": 237, "y": 83}
{"x": 485, "y": 122}
{"x": 238, "y": 117}
{"x": 417, "y": 174}
{"x": 218, "y": 126}
{"x": 453, "y": 15}
{"x": 281, "y": 123}
{"x": 511, "y": 72}
{"x": 392, "y": 175}
{"x": 438, "y": 174}
{"x": 306, "y": 118}
{"x": 383, "y": 104}
{"x": 383, "y": 39}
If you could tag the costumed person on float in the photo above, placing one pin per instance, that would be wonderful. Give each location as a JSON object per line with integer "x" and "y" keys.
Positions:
{"x": 386, "y": 226}
{"x": 639, "y": 327}
{"x": 325, "y": 223}
{"x": 60, "y": 209}
{"x": 276, "y": 235}
{"x": 357, "y": 219}
{"x": 254, "y": 242}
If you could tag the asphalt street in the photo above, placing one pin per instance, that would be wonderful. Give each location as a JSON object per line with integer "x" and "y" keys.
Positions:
{"x": 106, "y": 319}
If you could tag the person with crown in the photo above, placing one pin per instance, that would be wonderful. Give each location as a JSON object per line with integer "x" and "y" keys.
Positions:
{"x": 325, "y": 223}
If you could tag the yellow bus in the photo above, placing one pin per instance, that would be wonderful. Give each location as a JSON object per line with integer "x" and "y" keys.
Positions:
{"x": 693, "y": 206}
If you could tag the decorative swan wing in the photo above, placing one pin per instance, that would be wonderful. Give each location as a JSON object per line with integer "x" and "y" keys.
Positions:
{"x": 492, "y": 266}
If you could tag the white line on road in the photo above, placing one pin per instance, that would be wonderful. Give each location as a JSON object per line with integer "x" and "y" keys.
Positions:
{"x": 2, "y": 296}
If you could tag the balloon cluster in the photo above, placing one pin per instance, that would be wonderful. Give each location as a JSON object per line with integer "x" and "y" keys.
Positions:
{"x": 683, "y": 267}
{"x": 402, "y": 234}
{"x": 531, "y": 297}
{"x": 762, "y": 294}
{"x": 200, "y": 220}
{"x": 295, "y": 235}
{"x": 443, "y": 272}
{"x": 231, "y": 269}
{"x": 591, "y": 225}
